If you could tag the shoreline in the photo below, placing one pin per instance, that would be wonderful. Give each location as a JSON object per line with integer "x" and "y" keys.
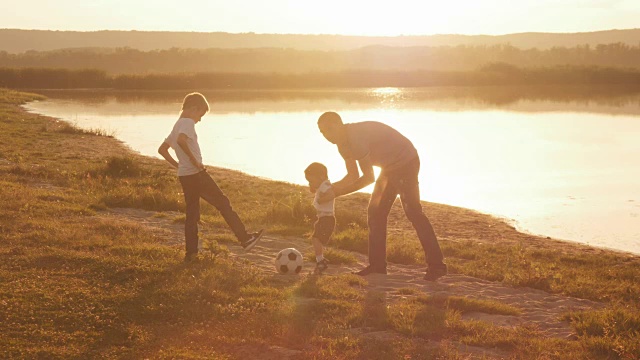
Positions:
{"x": 490, "y": 220}
{"x": 510, "y": 221}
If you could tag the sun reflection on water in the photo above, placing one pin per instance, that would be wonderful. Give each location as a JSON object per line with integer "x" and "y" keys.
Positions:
{"x": 388, "y": 96}
{"x": 386, "y": 91}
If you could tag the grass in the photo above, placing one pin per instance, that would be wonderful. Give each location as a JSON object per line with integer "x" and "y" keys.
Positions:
{"x": 466, "y": 304}
{"x": 354, "y": 238}
{"x": 9, "y": 97}
{"x": 69, "y": 128}
{"x": 609, "y": 333}
{"x": 292, "y": 211}
{"x": 438, "y": 316}
{"x": 74, "y": 284}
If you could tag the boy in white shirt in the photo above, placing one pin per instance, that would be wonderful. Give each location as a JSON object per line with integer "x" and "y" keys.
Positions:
{"x": 316, "y": 175}
{"x": 195, "y": 180}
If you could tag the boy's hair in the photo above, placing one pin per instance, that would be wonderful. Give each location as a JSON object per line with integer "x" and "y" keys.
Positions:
{"x": 316, "y": 169}
{"x": 195, "y": 99}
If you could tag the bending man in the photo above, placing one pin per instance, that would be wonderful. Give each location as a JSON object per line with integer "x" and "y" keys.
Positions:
{"x": 367, "y": 144}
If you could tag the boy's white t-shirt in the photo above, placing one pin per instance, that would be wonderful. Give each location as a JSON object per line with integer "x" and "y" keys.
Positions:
{"x": 327, "y": 208}
{"x": 185, "y": 126}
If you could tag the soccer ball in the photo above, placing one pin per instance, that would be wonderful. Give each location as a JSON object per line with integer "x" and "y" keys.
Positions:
{"x": 289, "y": 261}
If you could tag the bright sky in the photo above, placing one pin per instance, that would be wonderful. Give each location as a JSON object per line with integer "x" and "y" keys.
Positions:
{"x": 349, "y": 17}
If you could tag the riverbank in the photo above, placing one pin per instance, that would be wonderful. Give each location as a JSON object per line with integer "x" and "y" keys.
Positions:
{"x": 81, "y": 282}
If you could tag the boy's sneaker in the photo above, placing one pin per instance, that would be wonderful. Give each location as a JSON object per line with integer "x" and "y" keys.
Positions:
{"x": 321, "y": 266}
{"x": 369, "y": 270}
{"x": 434, "y": 274}
{"x": 252, "y": 241}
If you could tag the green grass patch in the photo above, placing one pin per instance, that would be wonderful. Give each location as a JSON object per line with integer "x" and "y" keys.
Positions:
{"x": 466, "y": 304}
{"x": 601, "y": 277}
{"x": 354, "y": 238}
{"x": 416, "y": 318}
{"x": 608, "y": 333}
{"x": 121, "y": 166}
{"x": 405, "y": 250}
{"x": 408, "y": 291}
{"x": 8, "y": 96}
{"x": 69, "y": 128}
{"x": 293, "y": 210}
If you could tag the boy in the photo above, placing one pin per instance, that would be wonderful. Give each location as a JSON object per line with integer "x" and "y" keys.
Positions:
{"x": 316, "y": 175}
{"x": 195, "y": 180}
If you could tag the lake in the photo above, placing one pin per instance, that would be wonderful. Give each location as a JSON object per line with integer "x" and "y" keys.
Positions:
{"x": 556, "y": 161}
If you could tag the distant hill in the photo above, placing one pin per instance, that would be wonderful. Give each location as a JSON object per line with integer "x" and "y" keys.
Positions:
{"x": 18, "y": 41}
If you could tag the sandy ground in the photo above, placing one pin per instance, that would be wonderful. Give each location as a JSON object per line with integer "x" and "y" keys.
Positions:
{"x": 539, "y": 308}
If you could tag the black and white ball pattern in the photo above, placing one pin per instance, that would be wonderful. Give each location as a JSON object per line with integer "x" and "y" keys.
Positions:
{"x": 289, "y": 261}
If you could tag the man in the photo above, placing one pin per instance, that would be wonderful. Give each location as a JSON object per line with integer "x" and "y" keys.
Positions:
{"x": 367, "y": 144}
{"x": 195, "y": 180}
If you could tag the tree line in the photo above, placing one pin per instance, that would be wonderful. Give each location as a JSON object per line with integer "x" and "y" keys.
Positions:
{"x": 280, "y": 60}
{"x": 490, "y": 74}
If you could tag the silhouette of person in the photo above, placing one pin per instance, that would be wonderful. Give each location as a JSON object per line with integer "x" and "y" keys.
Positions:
{"x": 196, "y": 182}
{"x": 364, "y": 145}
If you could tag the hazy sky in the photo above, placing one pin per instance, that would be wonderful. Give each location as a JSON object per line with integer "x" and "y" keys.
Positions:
{"x": 353, "y": 17}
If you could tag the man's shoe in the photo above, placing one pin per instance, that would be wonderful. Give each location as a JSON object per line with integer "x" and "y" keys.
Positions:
{"x": 435, "y": 273}
{"x": 321, "y": 266}
{"x": 369, "y": 270}
{"x": 252, "y": 241}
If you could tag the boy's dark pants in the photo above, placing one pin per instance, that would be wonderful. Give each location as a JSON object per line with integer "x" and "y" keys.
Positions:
{"x": 390, "y": 184}
{"x": 201, "y": 185}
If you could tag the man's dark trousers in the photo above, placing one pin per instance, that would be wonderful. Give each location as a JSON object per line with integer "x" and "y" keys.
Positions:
{"x": 390, "y": 184}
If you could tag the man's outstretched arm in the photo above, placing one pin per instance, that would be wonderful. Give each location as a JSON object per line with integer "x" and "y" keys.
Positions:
{"x": 352, "y": 174}
{"x": 361, "y": 182}
{"x": 351, "y": 183}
